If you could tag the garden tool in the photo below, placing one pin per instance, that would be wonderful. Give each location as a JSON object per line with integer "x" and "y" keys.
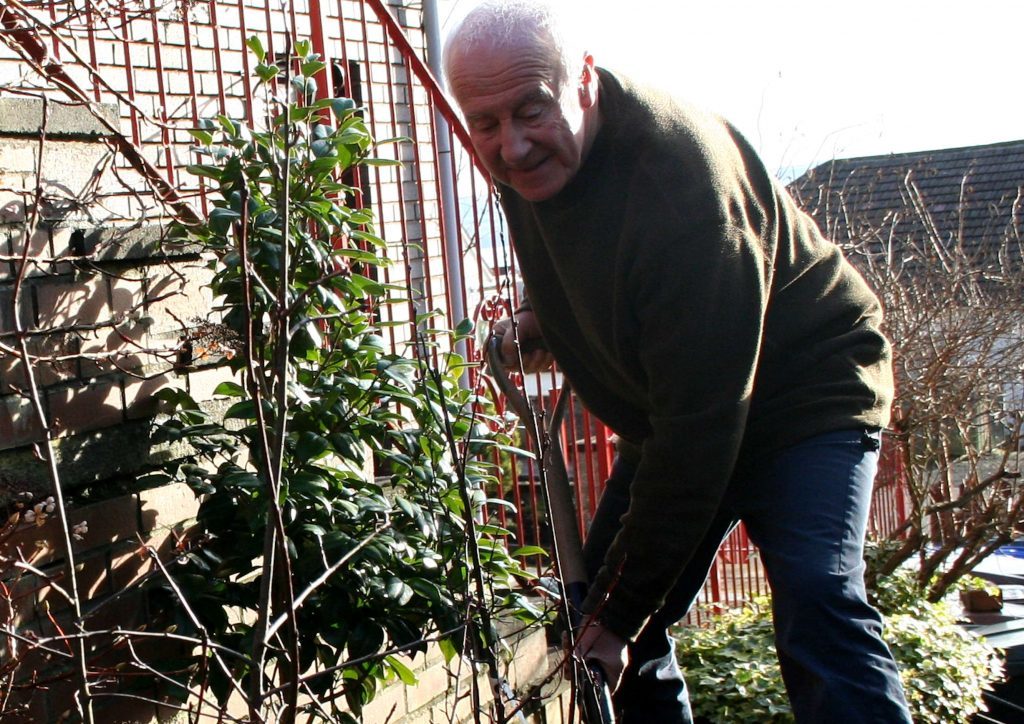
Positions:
{"x": 589, "y": 680}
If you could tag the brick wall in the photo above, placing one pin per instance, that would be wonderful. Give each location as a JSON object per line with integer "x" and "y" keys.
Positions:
{"x": 112, "y": 556}
{"x": 98, "y": 306}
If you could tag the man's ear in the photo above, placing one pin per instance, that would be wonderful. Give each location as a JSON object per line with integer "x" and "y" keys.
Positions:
{"x": 588, "y": 83}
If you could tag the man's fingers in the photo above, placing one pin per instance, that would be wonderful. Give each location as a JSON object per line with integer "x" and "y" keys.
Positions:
{"x": 537, "y": 361}
{"x": 535, "y": 358}
{"x": 508, "y": 350}
{"x": 596, "y": 643}
{"x": 524, "y": 341}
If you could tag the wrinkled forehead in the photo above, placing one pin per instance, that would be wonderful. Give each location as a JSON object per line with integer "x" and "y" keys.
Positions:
{"x": 495, "y": 49}
{"x": 493, "y": 68}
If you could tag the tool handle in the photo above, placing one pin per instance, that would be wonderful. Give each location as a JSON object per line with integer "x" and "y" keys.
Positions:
{"x": 596, "y": 696}
{"x": 590, "y": 680}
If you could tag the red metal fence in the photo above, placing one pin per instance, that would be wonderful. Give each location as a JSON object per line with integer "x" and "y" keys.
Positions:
{"x": 166, "y": 65}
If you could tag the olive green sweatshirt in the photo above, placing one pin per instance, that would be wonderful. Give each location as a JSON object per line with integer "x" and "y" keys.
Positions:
{"x": 698, "y": 313}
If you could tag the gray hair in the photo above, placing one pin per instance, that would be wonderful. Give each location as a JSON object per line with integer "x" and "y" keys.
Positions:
{"x": 503, "y": 23}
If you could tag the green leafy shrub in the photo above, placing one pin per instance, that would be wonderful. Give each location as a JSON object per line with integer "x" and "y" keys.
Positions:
{"x": 730, "y": 667}
{"x": 734, "y": 676}
{"x": 945, "y": 669}
{"x": 340, "y": 480}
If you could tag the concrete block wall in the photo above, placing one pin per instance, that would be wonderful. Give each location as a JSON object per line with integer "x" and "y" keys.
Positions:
{"x": 100, "y": 309}
{"x": 100, "y": 306}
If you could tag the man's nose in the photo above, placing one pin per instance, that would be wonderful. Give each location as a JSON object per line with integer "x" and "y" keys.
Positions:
{"x": 515, "y": 146}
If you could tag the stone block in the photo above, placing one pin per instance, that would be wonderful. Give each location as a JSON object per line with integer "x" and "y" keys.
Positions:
{"x": 86, "y": 458}
{"x": 139, "y": 400}
{"x": 18, "y": 156}
{"x": 92, "y": 576}
{"x": 124, "y": 609}
{"x": 12, "y": 374}
{"x": 433, "y": 682}
{"x": 7, "y": 311}
{"x": 140, "y": 56}
{"x": 115, "y": 349}
{"x": 132, "y": 242}
{"x": 166, "y": 507}
{"x": 114, "y": 207}
{"x": 127, "y": 295}
{"x": 19, "y": 610}
{"x": 181, "y": 292}
{"x": 110, "y": 521}
{"x": 19, "y": 423}
{"x": 557, "y": 708}
{"x": 107, "y": 522}
{"x": 81, "y": 459}
{"x": 69, "y": 240}
{"x": 464, "y": 704}
{"x": 54, "y": 360}
{"x": 209, "y": 84}
{"x": 12, "y": 202}
{"x": 69, "y": 168}
{"x": 80, "y": 408}
{"x": 388, "y": 707}
{"x": 128, "y": 565}
{"x": 203, "y": 58}
{"x": 24, "y": 116}
{"x": 109, "y": 54}
{"x": 202, "y": 382}
{"x": 80, "y": 301}
{"x": 174, "y": 34}
{"x": 39, "y": 254}
{"x": 35, "y": 543}
{"x": 529, "y": 661}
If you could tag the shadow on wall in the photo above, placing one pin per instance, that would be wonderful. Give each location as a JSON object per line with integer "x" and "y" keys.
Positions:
{"x": 115, "y": 544}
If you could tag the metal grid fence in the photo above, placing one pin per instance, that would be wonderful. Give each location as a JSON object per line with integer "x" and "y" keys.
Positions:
{"x": 166, "y": 65}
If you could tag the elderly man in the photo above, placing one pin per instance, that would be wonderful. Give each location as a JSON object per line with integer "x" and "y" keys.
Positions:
{"x": 703, "y": 317}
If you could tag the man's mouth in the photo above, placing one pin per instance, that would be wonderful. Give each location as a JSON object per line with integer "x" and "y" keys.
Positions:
{"x": 530, "y": 167}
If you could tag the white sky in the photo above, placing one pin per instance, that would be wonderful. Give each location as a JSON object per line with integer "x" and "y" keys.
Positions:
{"x": 810, "y": 80}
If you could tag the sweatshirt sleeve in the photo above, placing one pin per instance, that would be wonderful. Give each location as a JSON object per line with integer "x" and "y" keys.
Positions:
{"x": 700, "y": 293}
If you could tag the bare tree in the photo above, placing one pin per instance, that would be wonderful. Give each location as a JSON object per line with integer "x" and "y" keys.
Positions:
{"x": 952, "y": 284}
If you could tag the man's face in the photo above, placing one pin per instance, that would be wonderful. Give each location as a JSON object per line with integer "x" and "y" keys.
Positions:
{"x": 525, "y": 125}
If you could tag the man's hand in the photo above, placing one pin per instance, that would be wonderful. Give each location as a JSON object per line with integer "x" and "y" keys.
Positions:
{"x": 535, "y": 357}
{"x": 596, "y": 643}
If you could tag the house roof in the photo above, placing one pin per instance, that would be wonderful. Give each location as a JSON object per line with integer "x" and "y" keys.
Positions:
{"x": 972, "y": 195}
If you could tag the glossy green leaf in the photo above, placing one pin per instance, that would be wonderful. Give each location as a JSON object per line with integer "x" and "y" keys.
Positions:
{"x": 404, "y": 673}
{"x": 254, "y": 44}
{"x": 244, "y": 410}
{"x": 229, "y": 389}
{"x": 205, "y": 170}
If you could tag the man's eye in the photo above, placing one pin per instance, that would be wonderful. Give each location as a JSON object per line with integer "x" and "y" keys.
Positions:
{"x": 482, "y": 126}
{"x": 531, "y": 112}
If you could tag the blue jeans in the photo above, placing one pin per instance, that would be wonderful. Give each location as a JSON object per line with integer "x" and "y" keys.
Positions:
{"x": 806, "y": 509}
